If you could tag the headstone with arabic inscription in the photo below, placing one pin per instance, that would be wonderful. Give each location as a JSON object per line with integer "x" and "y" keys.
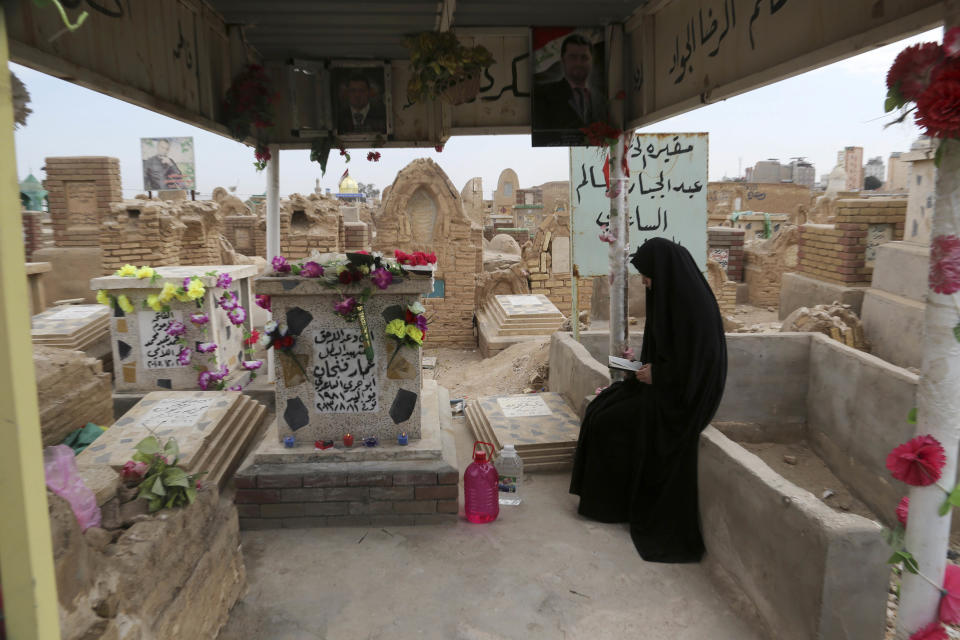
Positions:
{"x": 326, "y": 387}
{"x": 145, "y": 356}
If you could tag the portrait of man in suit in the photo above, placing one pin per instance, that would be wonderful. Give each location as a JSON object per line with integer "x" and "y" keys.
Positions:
{"x": 160, "y": 170}
{"x": 563, "y": 106}
{"x": 361, "y": 108}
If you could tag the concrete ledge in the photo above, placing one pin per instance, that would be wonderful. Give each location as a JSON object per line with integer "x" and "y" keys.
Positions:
{"x": 901, "y": 268}
{"x": 574, "y": 373}
{"x": 810, "y": 572}
{"x": 894, "y": 326}
{"x": 798, "y": 290}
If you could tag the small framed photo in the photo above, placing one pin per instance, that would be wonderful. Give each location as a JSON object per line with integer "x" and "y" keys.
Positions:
{"x": 569, "y": 85}
{"x": 361, "y": 103}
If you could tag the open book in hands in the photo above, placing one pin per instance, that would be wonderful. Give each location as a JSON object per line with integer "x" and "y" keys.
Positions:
{"x": 624, "y": 364}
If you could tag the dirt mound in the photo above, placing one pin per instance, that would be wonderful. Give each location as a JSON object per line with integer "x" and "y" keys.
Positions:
{"x": 518, "y": 369}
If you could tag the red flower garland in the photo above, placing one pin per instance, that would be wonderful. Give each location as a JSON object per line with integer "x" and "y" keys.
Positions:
{"x": 911, "y": 70}
{"x": 918, "y": 462}
{"x": 950, "y": 602}
{"x": 903, "y": 510}
{"x": 932, "y": 631}
{"x": 945, "y": 264}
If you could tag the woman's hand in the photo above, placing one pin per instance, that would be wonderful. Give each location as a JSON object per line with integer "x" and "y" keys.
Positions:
{"x": 645, "y": 374}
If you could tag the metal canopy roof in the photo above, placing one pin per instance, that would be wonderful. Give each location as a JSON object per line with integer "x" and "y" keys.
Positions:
{"x": 315, "y": 29}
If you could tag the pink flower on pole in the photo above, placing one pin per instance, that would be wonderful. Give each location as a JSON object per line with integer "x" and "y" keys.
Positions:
{"x": 932, "y": 631}
{"x": 628, "y": 353}
{"x": 228, "y": 301}
{"x": 917, "y": 462}
{"x": 950, "y": 601}
{"x": 903, "y": 510}
{"x": 224, "y": 280}
{"x": 381, "y": 277}
{"x": 945, "y": 264}
{"x": 311, "y": 270}
{"x": 263, "y": 301}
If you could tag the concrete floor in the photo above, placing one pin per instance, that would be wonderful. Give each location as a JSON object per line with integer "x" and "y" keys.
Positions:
{"x": 539, "y": 572}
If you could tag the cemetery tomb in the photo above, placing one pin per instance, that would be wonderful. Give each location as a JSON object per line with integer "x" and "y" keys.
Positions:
{"x": 509, "y": 319}
{"x": 75, "y": 327}
{"x": 326, "y": 387}
{"x": 145, "y": 356}
{"x": 212, "y": 430}
{"x": 540, "y": 425}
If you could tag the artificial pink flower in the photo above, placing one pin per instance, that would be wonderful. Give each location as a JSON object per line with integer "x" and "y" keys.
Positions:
{"x": 263, "y": 301}
{"x": 133, "y": 471}
{"x": 237, "y": 315}
{"x": 950, "y": 601}
{"x": 207, "y": 347}
{"x": 932, "y": 631}
{"x": 311, "y": 270}
{"x": 945, "y": 264}
{"x": 917, "y": 462}
{"x": 903, "y": 510}
{"x": 381, "y": 277}
{"x": 280, "y": 264}
{"x": 199, "y": 318}
{"x": 252, "y": 365}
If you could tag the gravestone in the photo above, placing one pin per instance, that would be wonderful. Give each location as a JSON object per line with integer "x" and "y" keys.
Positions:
{"x": 508, "y": 319}
{"x": 212, "y": 430}
{"x": 325, "y": 386}
{"x": 75, "y": 327}
{"x": 145, "y": 356}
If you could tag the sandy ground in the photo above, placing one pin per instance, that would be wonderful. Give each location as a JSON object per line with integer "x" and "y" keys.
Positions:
{"x": 521, "y": 368}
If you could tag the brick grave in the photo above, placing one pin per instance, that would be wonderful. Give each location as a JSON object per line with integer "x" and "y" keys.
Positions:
{"x": 387, "y": 485}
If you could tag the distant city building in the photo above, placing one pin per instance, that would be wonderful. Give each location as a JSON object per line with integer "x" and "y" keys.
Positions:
{"x": 875, "y": 168}
{"x": 898, "y": 170}
{"x": 799, "y": 171}
{"x": 851, "y": 159}
{"x": 748, "y": 174}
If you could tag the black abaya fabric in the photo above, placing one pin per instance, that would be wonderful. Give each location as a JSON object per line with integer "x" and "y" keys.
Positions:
{"x": 636, "y": 458}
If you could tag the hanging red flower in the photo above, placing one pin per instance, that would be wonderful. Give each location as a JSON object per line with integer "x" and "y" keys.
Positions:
{"x": 945, "y": 264}
{"x": 438, "y": 148}
{"x": 950, "y": 601}
{"x": 903, "y": 510}
{"x": 910, "y": 72}
{"x": 917, "y": 462}
{"x": 373, "y": 156}
{"x": 938, "y": 106}
{"x": 951, "y": 42}
{"x": 932, "y": 631}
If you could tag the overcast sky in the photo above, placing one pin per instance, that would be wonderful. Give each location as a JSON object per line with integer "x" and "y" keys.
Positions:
{"x": 812, "y": 115}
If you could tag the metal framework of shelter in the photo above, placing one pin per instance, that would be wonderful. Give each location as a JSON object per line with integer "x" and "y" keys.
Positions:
{"x": 178, "y": 57}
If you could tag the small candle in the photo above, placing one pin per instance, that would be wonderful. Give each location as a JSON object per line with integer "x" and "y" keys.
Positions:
{"x": 402, "y": 438}
{"x": 348, "y": 440}
{"x": 370, "y": 441}
{"x": 288, "y": 442}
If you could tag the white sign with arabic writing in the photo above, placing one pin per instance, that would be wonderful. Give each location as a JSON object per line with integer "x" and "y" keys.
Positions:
{"x": 343, "y": 380}
{"x": 666, "y": 197}
{"x": 158, "y": 348}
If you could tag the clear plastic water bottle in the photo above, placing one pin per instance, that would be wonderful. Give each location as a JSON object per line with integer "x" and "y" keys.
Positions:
{"x": 510, "y": 475}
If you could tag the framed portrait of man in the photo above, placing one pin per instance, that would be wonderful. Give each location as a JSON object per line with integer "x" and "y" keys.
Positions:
{"x": 569, "y": 85}
{"x": 360, "y": 94}
{"x": 168, "y": 164}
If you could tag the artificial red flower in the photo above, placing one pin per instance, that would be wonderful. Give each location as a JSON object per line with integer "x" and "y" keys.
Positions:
{"x": 438, "y": 148}
{"x": 253, "y": 339}
{"x": 344, "y": 277}
{"x": 903, "y": 510}
{"x": 355, "y": 276}
{"x": 373, "y": 156}
{"x": 951, "y": 42}
{"x": 932, "y": 631}
{"x": 938, "y": 106}
{"x": 917, "y": 462}
{"x": 408, "y": 317}
{"x": 945, "y": 264}
{"x": 343, "y": 151}
{"x": 363, "y": 253}
{"x": 432, "y": 258}
{"x": 285, "y": 342}
{"x": 950, "y": 601}
{"x": 910, "y": 72}
{"x": 400, "y": 255}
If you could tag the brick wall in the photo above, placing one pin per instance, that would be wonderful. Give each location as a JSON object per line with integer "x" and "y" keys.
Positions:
{"x": 841, "y": 252}
{"x": 725, "y": 246}
{"x": 33, "y": 237}
{"x": 308, "y": 225}
{"x": 520, "y": 235}
{"x": 340, "y": 495}
{"x": 766, "y": 262}
{"x": 448, "y": 232}
{"x": 80, "y": 192}
{"x": 141, "y": 232}
{"x": 355, "y": 236}
{"x": 539, "y": 261}
{"x": 242, "y": 233}
{"x": 201, "y": 239}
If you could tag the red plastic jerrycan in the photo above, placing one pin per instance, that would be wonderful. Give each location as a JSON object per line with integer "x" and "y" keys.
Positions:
{"x": 480, "y": 491}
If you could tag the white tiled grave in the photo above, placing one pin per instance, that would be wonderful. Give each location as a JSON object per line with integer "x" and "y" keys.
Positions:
{"x": 145, "y": 357}
{"x": 76, "y": 327}
{"x": 541, "y": 426}
{"x": 509, "y": 319}
{"x": 212, "y": 430}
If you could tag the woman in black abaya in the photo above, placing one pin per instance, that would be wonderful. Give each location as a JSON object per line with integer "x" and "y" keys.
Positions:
{"x": 636, "y": 459}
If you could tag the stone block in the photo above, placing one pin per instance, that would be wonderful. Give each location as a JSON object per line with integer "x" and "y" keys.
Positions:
{"x": 346, "y": 494}
{"x": 257, "y": 496}
{"x": 278, "y": 482}
{"x": 436, "y": 493}
{"x": 415, "y": 507}
{"x": 287, "y": 510}
{"x": 392, "y": 493}
{"x": 369, "y": 480}
{"x": 326, "y": 508}
{"x": 414, "y": 478}
{"x": 369, "y": 508}
{"x": 302, "y": 495}
{"x": 325, "y": 479}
